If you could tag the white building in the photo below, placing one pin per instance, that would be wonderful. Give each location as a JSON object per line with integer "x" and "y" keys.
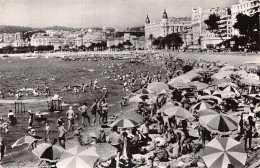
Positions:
{"x": 199, "y": 28}
{"x": 165, "y": 26}
{"x": 247, "y": 7}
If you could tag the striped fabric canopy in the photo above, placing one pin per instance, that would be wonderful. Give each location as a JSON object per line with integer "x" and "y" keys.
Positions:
{"x": 105, "y": 151}
{"x": 48, "y": 152}
{"x": 223, "y": 151}
{"x": 201, "y": 106}
{"x": 124, "y": 123}
{"x": 217, "y": 122}
{"x": 77, "y": 157}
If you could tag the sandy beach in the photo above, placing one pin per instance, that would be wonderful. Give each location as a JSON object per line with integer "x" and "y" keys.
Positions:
{"x": 33, "y": 72}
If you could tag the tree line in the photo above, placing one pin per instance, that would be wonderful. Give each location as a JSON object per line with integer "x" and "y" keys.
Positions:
{"x": 247, "y": 26}
{"x": 171, "y": 41}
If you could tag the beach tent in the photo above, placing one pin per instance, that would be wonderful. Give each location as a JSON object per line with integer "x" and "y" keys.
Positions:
{"x": 223, "y": 151}
{"x": 217, "y": 122}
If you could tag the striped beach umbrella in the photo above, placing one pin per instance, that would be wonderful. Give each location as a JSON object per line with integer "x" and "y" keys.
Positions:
{"x": 78, "y": 157}
{"x": 179, "y": 112}
{"x": 105, "y": 151}
{"x": 144, "y": 91}
{"x": 220, "y": 152}
{"x": 124, "y": 123}
{"x": 201, "y": 106}
{"x": 217, "y": 122}
{"x": 232, "y": 89}
{"x": 170, "y": 104}
{"x": 48, "y": 152}
{"x": 24, "y": 140}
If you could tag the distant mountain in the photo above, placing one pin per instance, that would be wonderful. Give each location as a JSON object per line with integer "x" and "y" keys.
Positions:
{"x": 60, "y": 28}
{"x": 14, "y": 29}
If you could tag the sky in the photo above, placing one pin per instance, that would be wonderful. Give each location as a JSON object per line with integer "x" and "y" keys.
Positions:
{"x": 96, "y": 13}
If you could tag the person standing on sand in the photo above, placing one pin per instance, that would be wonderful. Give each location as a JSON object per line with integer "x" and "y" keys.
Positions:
{"x": 30, "y": 122}
{"x": 59, "y": 121}
{"x": 94, "y": 111}
{"x": 47, "y": 132}
{"x": 70, "y": 113}
{"x": 99, "y": 110}
{"x": 104, "y": 112}
{"x": 2, "y": 147}
{"x": 83, "y": 109}
{"x": 62, "y": 132}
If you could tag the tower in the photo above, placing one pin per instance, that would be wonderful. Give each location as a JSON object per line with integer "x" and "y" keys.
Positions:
{"x": 164, "y": 30}
{"x": 147, "y": 20}
{"x": 164, "y": 15}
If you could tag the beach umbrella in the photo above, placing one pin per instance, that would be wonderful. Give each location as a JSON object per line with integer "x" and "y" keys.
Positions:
{"x": 227, "y": 68}
{"x": 144, "y": 91}
{"x": 217, "y": 93}
{"x": 207, "y": 92}
{"x": 164, "y": 92}
{"x": 124, "y": 123}
{"x": 136, "y": 99}
{"x": 199, "y": 85}
{"x": 169, "y": 105}
{"x": 228, "y": 94}
{"x": 221, "y": 80}
{"x": 232, "y": 89}
{"x": 78, "y": 157}
{"x": 221, "y": 75}
{"x": 105, "y": 151}
{"x": 225, "y": 84}
{"x": 201, "y": 106}
{"x": 223, "y": 151}
{"x": 48, "y": 152}
{"x": 157, "y": 87}
{"x": 179, "y": 85}
{"x": 24, "y": 140}
{"x": 211, "y": 97}
{"x": 179, "y": 112}
{"x": 217, "y": 122}
{"x": 132, "y": 116}
{"x": 250, "y": 81}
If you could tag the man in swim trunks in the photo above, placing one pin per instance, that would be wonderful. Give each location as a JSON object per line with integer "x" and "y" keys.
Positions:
{"x": 70, "y": 113}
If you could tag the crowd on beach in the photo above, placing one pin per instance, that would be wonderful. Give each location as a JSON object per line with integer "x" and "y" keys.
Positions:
{"x": 158, "y": 135}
